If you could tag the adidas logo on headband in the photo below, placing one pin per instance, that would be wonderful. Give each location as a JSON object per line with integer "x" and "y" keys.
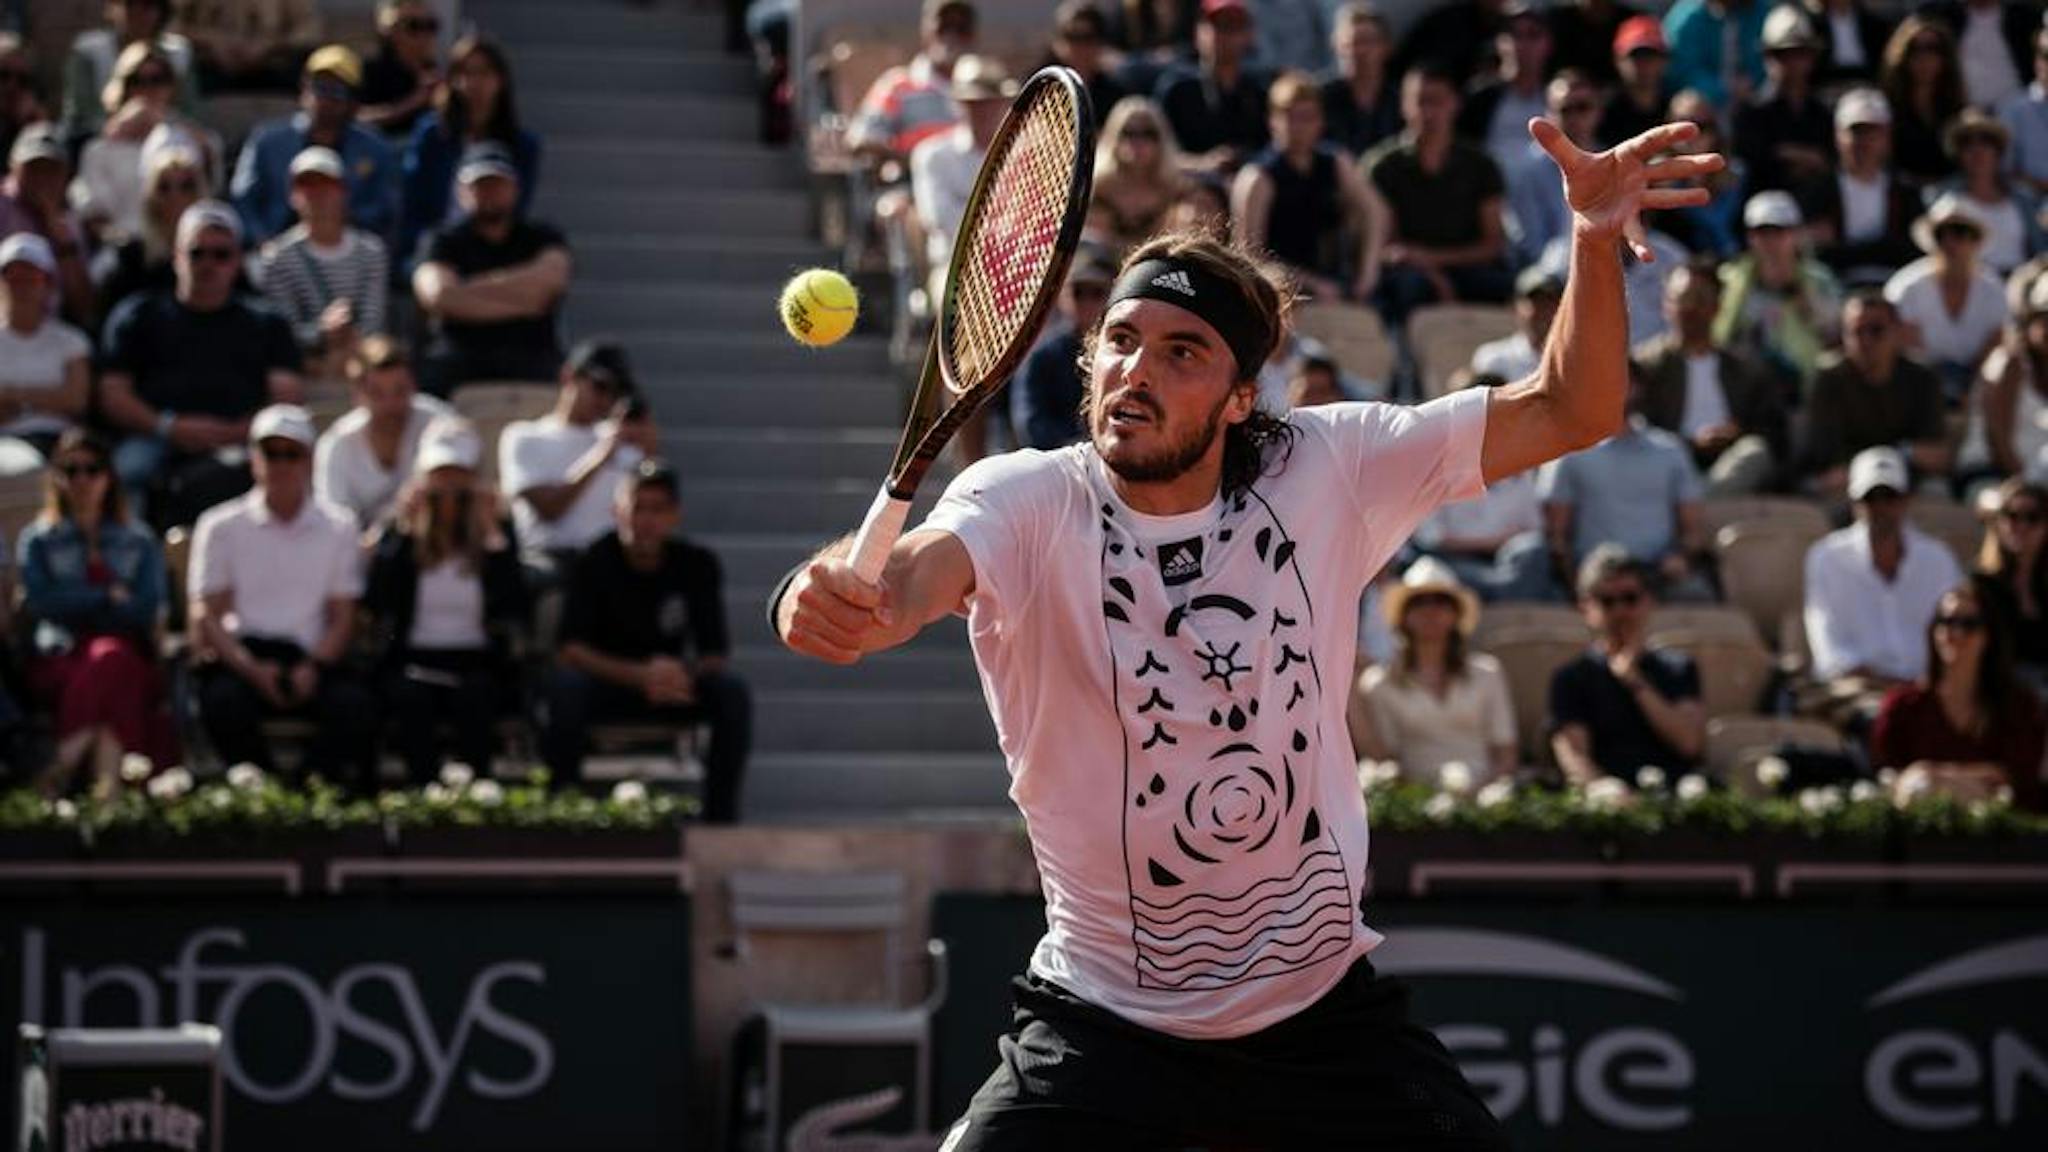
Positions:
{"x": 1176, "y": 280}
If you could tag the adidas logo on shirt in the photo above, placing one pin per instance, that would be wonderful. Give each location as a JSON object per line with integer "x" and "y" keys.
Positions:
{"x": 1177, "y": 281}
{"x": 1180, "y": 561}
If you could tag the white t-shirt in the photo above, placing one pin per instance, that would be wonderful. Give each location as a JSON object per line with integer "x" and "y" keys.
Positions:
{"x": 539, "y": 453}
{"x": 1988, "y": 74}
{"x": 1706, "y": 403}
{"x": 346, "y": 470}
{"x": 1845, "y": 40}
{"x": 38, "y": 360}
{"x": 282, "y": 573}
{"x": 1511, "y": 357}
{"x": 1509, "y": 507}
{"x": 1856, "y": 618}
{"x": 1944, "y": 338}
{"x": 1864, "y": 203}
{"x": 448, "y": 615}
{"x": 2005, "y": 235}
{"x": 1169, "y": 694}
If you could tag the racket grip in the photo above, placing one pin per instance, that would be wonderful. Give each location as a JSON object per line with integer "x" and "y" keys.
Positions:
{"x": 878, "y": 532}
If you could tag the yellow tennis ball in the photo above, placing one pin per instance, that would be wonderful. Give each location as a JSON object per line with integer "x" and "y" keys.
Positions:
{"x": 819, "y": 307}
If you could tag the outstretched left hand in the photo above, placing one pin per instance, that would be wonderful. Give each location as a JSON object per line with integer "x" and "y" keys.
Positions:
{"x": 1609, "y": 191}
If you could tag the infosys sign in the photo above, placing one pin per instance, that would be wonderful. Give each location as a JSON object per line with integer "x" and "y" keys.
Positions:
{"x": 513, "y": 1024}
{"x": 1626, "y": 1027}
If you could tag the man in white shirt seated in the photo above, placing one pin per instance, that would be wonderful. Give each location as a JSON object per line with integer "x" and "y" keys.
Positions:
{"x": 1537, "y": 291}
{"x": 274, "y": 584}
{"x": 942, "y": 168}
{"x": 1871, "y": 588}
{"x": 562, "y": 470}
{"x": 365, "y": 457}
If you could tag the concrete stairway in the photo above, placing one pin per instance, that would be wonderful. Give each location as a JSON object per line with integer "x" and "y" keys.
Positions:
{"x": 684, "y": 228}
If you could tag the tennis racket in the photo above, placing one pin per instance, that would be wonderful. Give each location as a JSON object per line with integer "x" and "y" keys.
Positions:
{"x": 1010, "y": 255}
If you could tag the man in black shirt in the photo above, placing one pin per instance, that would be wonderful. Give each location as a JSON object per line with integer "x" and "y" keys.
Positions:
{"x": 183, "y": 372}
{"x": 644, "y": 639}
{"x": 400, "y": 79}
{"x": 1217, "y": 106}
{"x": 1619, "y": 708}
{"x": 491, "y": 283}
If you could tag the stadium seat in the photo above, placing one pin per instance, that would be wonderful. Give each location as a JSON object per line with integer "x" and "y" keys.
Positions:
{"x": 1353, "y": 335}
{"x": 493, "y": 406}
{"x": 1528, "y": 656}
{"x": 1705, "y": 620}
{"x": 1734, "y": 668}
{"x": 1507, "y": 617}
{"x": 1736, "y": 743}
{"x": 1442, "y": 338}
{"x": 21, "y": 499}
{"x": 1956, "y": 525}
{"x": 1717, "y": 514}
{"x": 1763, "y": 569}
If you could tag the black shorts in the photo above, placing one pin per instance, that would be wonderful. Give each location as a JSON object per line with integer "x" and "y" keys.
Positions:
{"x": 1351, "y": 1071}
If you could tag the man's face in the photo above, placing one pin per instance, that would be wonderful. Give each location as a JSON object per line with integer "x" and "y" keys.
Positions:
{"x": 1313, "y": 385}
{"x": 1527, "y": 42}
{"x": 413, "y": 31}
{"x": 1299, "y": 124}
{"x": 1534, "y": 313}
{"x": 284, "y": 469}
{"x": 1690, "y": 302}
{"x": 1362, "y": 43}
{"x": 984, "y": 117}
{"x": 42, "y": 181}
{"x": 647, "y": 515}
{"x": 949, "y": 36}
{"x": 319, "y": 198}
{"x": 1162, "y": 387}
{"x": 1079, "y": 46}
{"x": 1869, "y": 331}
{"x": 1617, "y": 608}
{"x": 491, "y": 199}
{"x": 1083, "y": 301}
{"x": 329, "y": 100}
{"x": 1643, "y": 67}
{"x": 1574, "y": 107}
{"x": 1791, "y": 65}
{"x": 208, "y": 263}
{"x": 1428, "y": 105}
{"x": 592, "y": 401}
{"x": 135, "y": 19}
{"x": 1224, "y": 38}
{"x": 1883, "y": 508}
{"x": 1864, "y": 147}
{"x": 1774, "y": 246}
{"x": 27, "y": 285}
{"x": 1980, "y": 154}
{"x": 387, "y": 392}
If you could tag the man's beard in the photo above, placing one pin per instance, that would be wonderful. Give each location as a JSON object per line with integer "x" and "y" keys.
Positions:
{"x": 1169, "y": 462}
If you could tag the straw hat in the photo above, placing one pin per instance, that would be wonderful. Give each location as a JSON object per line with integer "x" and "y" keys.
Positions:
{"x": 1949, "y": 208}
{"x": 1430, "y": 576}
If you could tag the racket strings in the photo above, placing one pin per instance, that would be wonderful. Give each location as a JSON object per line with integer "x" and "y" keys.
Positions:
{"x": 1014, "y": 239}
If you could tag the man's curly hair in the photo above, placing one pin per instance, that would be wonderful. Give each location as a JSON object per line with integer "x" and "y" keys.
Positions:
{"x": 1270, "y": 292}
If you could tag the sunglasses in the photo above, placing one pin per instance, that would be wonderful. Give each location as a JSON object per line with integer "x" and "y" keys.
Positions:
{"x": 1923, "y": 48}
{"x": 1872, "y": 331}
{"x": 209, "y": 252}
{"x": 1618, "y": 599}
{"x": 1959, "y": 623}
{"x": 1955, "y": 232}
{"x": 188, "y": 186}
{"x": 1577, "y": 108}
{"x": 419, "y": 25}
{"x": 2024, "y": 516}
{"x": 333, "y": 90}
{"x": 283, "y": 454}
{"x": 1141, "y": 133}
{"x": 83, "y": 469}
{"x": 150, "y": 80}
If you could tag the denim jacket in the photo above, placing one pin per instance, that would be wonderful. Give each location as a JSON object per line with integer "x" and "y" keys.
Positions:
{"x": 65, "y": 606}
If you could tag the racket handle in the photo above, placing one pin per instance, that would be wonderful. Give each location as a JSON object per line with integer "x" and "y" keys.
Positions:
{"x": 878, "y": 532}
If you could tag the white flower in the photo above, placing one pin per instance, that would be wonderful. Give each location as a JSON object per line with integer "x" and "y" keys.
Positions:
{"x": 245, "y": 777}
{"x": 1650, "y": 778}
{"x": 219, "y": 799}
{"x": 487, "y": 793}
{"x": 1820, "y": 801}
{"x": 1455, "y": 777}
{"x": 1692, "y": 788}
{"x": 1914, "y": 785}
{"x": 1887, "y": 778}
{"x": 135, "y": 768}
{"x": 437, "y": 793}
{"x": 1771, "y": 771}
{"x": 1377, "y": 773}
{"x": 629, "y": 792}
{"x": 1979, "y": 809}
{"x": 64, "y": 810}
{"x": 1608, "y": 792}
{"x": 1863, "y": 792}
{"x": 457, "y": 775}
{"x": 171, "y": 784}
{"x": 1497, "y": 793}
{"x": 1440, "y": 807}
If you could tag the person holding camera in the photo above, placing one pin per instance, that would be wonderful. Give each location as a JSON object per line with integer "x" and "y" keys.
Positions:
{"x": 444, "y": 586}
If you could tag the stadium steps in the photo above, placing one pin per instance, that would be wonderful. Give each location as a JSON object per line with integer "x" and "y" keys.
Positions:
{"x": 683, "y": 228}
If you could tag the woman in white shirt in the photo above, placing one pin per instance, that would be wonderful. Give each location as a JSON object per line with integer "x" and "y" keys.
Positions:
{"x": 45, "y": 373}
{"x": 1437, "y": 703}
{"x": 364, "y": 459}
{"x": 109, "y": 189}
{"x": 1953, "y": 305}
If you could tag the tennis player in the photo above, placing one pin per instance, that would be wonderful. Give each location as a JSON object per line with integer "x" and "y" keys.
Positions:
{"x": 1164, "y": 621}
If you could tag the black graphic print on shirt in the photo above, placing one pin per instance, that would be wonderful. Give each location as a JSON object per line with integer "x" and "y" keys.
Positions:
{"x": 1233, "y": 874}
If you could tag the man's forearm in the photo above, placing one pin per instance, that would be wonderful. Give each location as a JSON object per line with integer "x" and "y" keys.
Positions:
{"x": 1670, "y": 722}
{"x": 1584, "y": 368}
{"x": 611, "y": 669}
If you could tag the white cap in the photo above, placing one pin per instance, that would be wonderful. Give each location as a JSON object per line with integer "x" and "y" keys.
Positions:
{"x": 1786, "y": 27}
{"x": 1875, "y": 468}
{"x": 449, "y": 443}
{"x": 283, "y": 422}
{"x": 318, "y": 160}
{"x": 208, "y": 214}
{"x": 28, "y": 248}
{"x": 1773, "y": 209}
{"x": 1862, "y": 106}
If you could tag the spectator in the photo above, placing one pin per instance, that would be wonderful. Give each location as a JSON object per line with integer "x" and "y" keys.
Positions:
{"x": 909, "y": 103}
{"x": 1153, "y": 35}
{"x": 1361, "y": 101}
{"x": 1952, "y": 305}
{"x": 1618, "y": 707}
{"x": 1923, "y": 80}
{"x": 492, "y": 283}
{"x": 45, "y": 364}
{"x": 1494, "y": 541}
{"x": 1202, "y": 205}
{"x": 32, "y": 200}
{"x": 1637, "y": 490}
{"x": 2008, "y": 428}
{"x": 1969, "y": 729}
{"x": 95, "y": 584}
{"x": 1293, "y": 36}
{"x": 327, "y": 279}
{"x": 1860, "y": 218}
{"x": 1437, "y": 703}
{"x": 107, "y": 192}
{"x": 184, "y": 371}
{"x": 90, "y": 63}
{"x": 1638, "y": 100}
{"x": 1137, "y": 175}
{"x": 1777, "y": 304}
{"x": 1537, "y": 215}
{"x": 250, "y": 45}
{"x": 2026, "y": 113}
{"x": 273, "y": 603}
{"x": 1496, "y": 111}
{"x": 1045, "y": 398}
{"x": 365, "y": 458}
{"x": 1217, "y": 106}
{"x": 1584, "y": 32}
{"x": 1871, "y": 588}
{"x": 1726, "y": 407}
{"x": 478, "y": 105}
{"x": 1854, "y": 37}
{"x": 644, "y": 638}
{"x": 401, "y": 79}
{"x": 327, "y": 108}
{"x": 20, "y": 106}
{"x": 2012, "y": 556}
{"x": 1714, "y": 228}
{"x": 173, "y": 179}
{"x": 444, "y": 587}
{"x": 1872, "y": 394}
{"x": 1447, "y": 242}
{"x": 1079, "y": 32}
{"x": 561, "y": 470}
{"x": 1316, "y": 380}
{"x": 1717, "y": 48}
{"x": 1538, "y": 292}
{"x": 1459, "y": 37}
{"x": 1642, "y": 281}
{"x": 943, "y": 167}
{"x": 2010, "y": 208}
{"x": 1302, "y": 199}
{"x": 1992, "y": 37}
{"x": 1785, "y": 132}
